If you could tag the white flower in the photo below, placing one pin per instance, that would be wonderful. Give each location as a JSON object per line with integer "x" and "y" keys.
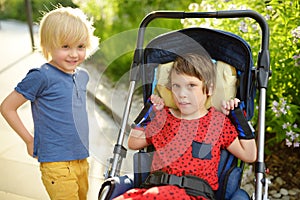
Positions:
{"x": 255, "y": 27}
{"x": 283, "y": 110}
{"x": 288, "y": 142}
{"x": 289, "y": 133}
{"x": 194, "y": 7}
{"x": 283, "y": 101}
{"x": 269, "y": 8}
{"x": 275, "y": 103}
{"x": 296, "y": 32}
{"x": 243, "y": 27}
{"x": 232, "y": 7}
{"x": 285, "y": 125}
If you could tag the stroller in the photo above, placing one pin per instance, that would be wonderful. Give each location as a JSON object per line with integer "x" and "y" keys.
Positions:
{"x": 223, "y": 47}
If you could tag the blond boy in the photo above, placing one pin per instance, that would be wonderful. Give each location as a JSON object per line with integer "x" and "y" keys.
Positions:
{"x": 57, "y": 92}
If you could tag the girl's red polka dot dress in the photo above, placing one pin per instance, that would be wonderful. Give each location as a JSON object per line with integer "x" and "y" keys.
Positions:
{"x": 185, "y": 147}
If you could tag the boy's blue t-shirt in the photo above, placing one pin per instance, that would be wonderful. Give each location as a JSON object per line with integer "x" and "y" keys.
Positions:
{"x": 58, "y": 103}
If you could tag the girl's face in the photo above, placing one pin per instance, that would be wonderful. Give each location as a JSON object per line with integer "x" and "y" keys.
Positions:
{"x": 67, "y": 58}
{"x": 188, "y": 95}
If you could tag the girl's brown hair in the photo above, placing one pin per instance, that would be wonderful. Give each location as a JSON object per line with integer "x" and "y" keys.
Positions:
{"x": 199, "y": 65}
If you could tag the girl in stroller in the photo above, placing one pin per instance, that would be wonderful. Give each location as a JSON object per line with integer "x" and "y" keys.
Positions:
{"x": 188, "y": 140}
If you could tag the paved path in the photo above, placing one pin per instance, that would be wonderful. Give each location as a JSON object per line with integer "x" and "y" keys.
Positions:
{"x": 20, "y": 175}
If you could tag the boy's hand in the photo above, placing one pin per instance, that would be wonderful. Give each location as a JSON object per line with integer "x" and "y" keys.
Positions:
{"x": 157, "y": 102}
{"x": 30, "y": 148}
{"x": 229, "y": 105}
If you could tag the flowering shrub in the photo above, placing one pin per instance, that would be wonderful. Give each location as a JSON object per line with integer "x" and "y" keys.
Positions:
{"x": 283, "y": 98}
{"x": 286, "y": 128}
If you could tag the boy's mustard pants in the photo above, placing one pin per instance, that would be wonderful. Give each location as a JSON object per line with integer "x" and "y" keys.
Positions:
{"x": 66, "y": 180}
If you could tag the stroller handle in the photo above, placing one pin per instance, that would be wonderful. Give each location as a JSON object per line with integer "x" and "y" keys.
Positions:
{"x": 218, "y": 14}
{"x": 263, "y": 59}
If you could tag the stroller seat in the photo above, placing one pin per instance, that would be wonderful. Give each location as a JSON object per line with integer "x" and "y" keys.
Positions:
{"x": 228, "y": 50}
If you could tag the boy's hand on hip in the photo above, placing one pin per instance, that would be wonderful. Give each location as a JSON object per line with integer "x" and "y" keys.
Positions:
{"x": 30, "y": 148}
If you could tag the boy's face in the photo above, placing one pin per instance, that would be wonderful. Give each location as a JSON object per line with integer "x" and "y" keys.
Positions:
{"x": 188, "y": 95}
{"x": 67, "y": 58}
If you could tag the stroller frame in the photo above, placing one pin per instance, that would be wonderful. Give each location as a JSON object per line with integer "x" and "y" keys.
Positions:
{"x": 262, "y": 74}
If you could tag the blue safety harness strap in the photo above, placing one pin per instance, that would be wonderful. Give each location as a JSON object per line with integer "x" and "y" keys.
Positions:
{"x": 145, "y": 116}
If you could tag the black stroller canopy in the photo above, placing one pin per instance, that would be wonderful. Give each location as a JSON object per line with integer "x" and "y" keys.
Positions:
{"x": 222, "y": 46}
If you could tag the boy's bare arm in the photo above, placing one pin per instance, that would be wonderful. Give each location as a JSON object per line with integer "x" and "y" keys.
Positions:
{"x": 9, "y": 111}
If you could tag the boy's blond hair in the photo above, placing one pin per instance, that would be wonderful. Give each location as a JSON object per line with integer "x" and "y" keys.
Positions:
{"x": 66, "y": 26}
{"x": 199, "y": 66}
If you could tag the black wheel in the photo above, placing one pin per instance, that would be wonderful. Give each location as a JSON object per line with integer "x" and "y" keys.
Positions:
{"x": 103, "y": 193}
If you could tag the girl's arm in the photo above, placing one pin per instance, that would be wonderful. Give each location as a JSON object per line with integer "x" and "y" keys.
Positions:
{"x": 245, "y": 150}
{"x": 137, "y": 138}
{"x": 9, "y": 111}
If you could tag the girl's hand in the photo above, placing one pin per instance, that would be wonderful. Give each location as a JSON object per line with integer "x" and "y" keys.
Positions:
{"x": 157, "y": 102}
{"x": 229, "y": 105}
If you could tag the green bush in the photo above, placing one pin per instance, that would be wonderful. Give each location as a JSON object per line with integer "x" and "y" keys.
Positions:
{"x": 117, "y": 22}
{"x": 16, "y": 9}
{"x": 282, "y": 114}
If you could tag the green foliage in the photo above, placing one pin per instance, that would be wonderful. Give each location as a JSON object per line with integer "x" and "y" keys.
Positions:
{"x": 13, "y": 10}
{"x": 16, "y": 9}
{"x": 120, "y": 19}
{"x": 39, "y": 7}
{"x": 284, "y": 20}
{"x": 282, "y": 115}
{"x": 115, "y": 16}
